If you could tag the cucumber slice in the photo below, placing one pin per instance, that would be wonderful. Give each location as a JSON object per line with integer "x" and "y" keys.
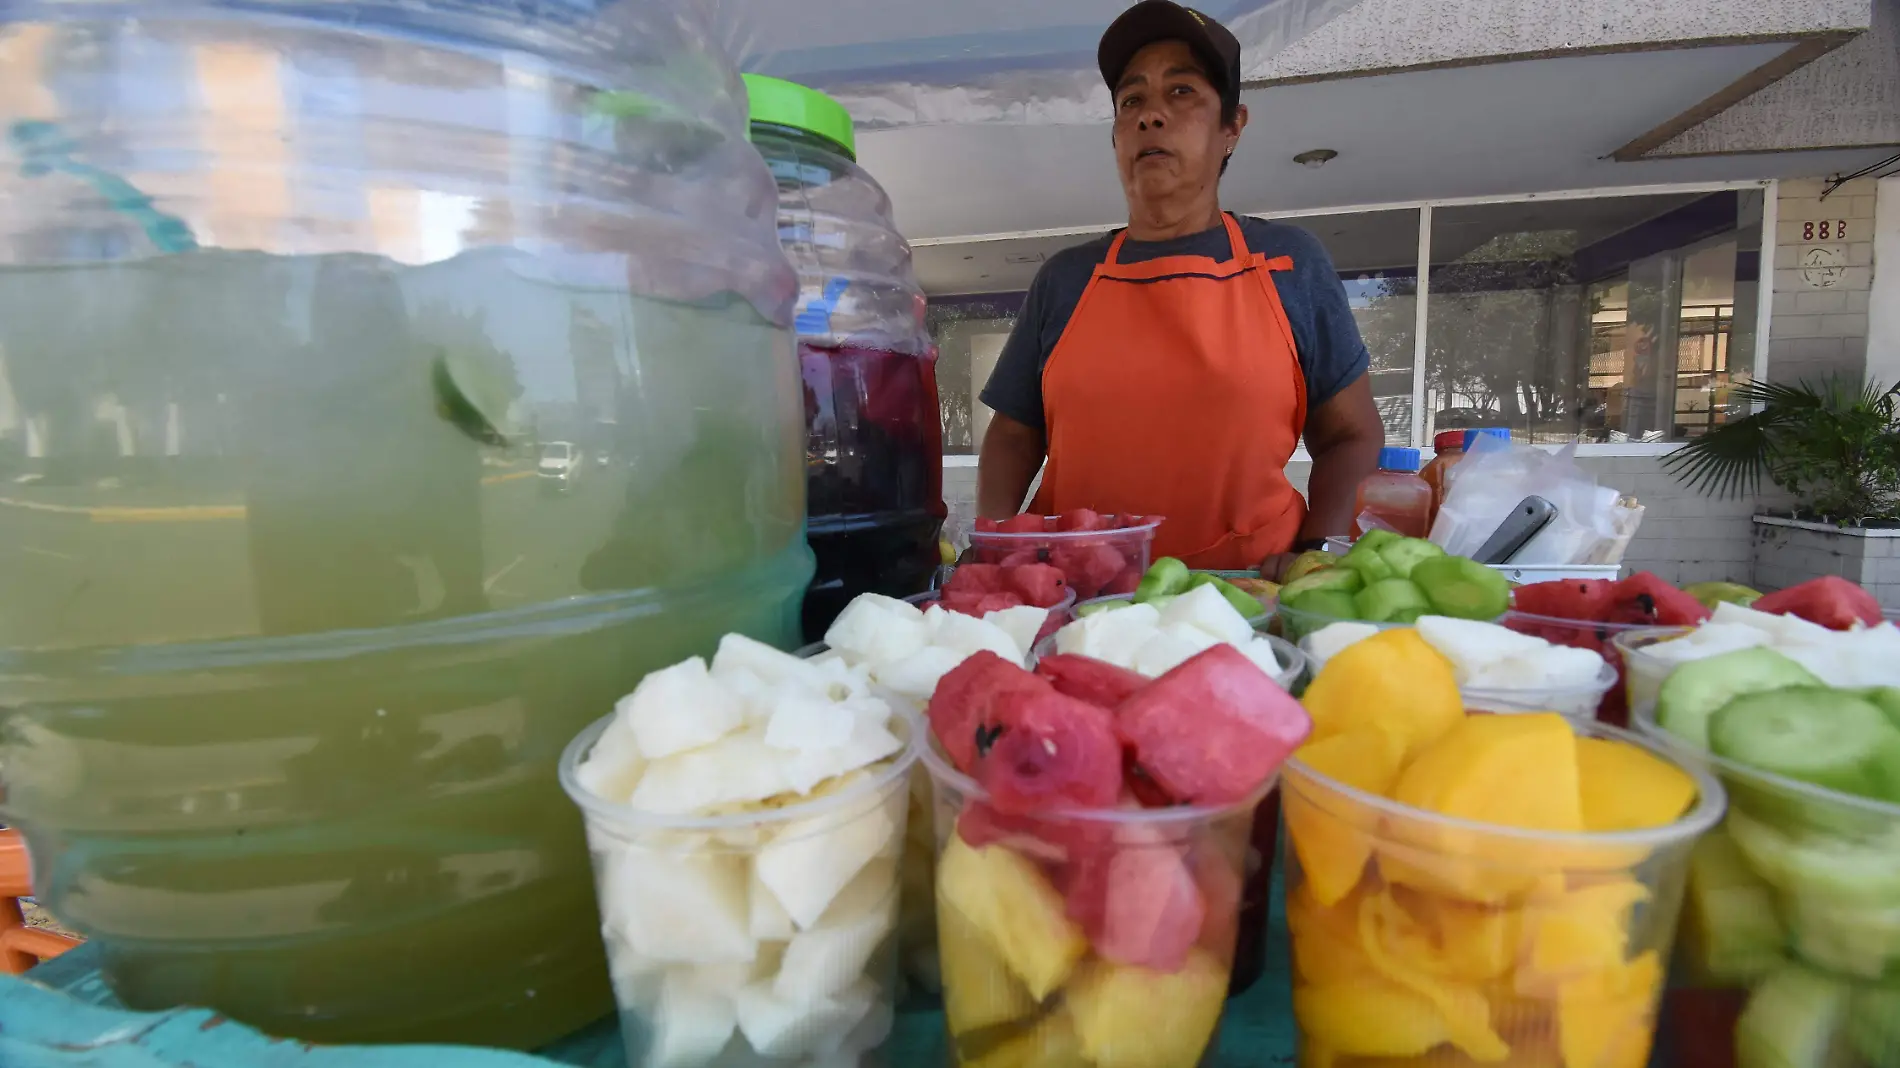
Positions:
{"x": 1326, "y": 606}
{"x": 1873, "y": 1026}
{"x": 1848, "y": 871}
{"x": 1407, "y": 553}
{"x": 1885, "y": 698}
{"x": 1731, "y": 933}
{"x": 1793, "y": 1020}
{"x": 1811, "y": 734}
{"x": 1462, "y": 588}
{"x": 1165, "y": 576}
{"x": 1383, "y": 601}
{"x": 1853, "y": 941}
{"x": 1692, "y": 692}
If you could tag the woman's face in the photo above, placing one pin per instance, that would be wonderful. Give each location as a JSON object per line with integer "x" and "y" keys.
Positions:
{"x": 1169, "y": 139}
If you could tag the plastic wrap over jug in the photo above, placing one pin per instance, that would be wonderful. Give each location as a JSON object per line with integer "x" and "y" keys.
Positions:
{"x": 385, "y": 386}
{"x": 874, "y": 448}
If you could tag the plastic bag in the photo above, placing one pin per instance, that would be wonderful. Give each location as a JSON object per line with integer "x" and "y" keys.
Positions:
{"x": 1495, "y": 476}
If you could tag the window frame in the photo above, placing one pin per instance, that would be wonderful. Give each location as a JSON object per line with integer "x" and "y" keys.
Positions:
{"x": 1763, "y": 313}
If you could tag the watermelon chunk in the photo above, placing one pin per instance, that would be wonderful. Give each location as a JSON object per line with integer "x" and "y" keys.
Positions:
{"x": 1081, "y": 519}
{"x": 1587, "y": 599}
{"x": 1039, "y": 584}
{"x": 1831, "y": 601}
{"x": 1145, "y": 791}
{"x": 1046, "y": 841}
{"x": 986, "y": 525}
{"x": 1124, "y": 583}
{"x": 1645, "y": 599}
{"x": 1137, "y": 899}
{"x": 978, "y": 604}
{"x": 1020, "y": 558}
{"x": 965, "y": 698}
{"x": 1088, "y": 567}
{"x": 1098, "y": 682}
{"x": 1214, "y": 729}
{"x": 976, "y": 578}
{"x": 1222, "y": 889}
{"x": 1023, "y": 524}
{"x": 1038, "y": 751}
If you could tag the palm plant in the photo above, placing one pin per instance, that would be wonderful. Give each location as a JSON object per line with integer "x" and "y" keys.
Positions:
{"x": 1834, "y": 445}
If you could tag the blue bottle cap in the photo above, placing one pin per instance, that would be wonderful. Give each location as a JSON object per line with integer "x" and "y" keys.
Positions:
{"x": 1397, "y": 459}
{"x": 1498, "y": 432}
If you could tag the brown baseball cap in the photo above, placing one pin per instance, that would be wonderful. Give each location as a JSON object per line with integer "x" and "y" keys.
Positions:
{"x": 1163, "y": 20}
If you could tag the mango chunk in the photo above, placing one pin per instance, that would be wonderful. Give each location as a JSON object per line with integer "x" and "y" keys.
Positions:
{"x": 1326, "y": 947}
{"x": 1392, "y": 681}
{"x": 1368, "y": 1018}
{"x": 1391, "y": 939}
{"x": 1606, "y": 1019}
{"x": 1579, "y": 934}
{"x": 1021, "y": 918}
{"x": 1133, "y": 1017}
{"x": 1517, "y": 771}
{"x": 1625, "y": 787}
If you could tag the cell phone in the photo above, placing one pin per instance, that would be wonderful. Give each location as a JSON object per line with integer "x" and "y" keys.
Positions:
{"x": 1524, "y": 522}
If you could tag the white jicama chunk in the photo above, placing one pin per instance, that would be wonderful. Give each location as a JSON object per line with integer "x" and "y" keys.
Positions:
{"x": 680, "y": 708}
{"x": 917, "y": 675}
{"x": 773, "y": 666}
{"x": 968, "y": 635}
{"x": 776, "y": 1028}
{"x": 1564, "y": 667}
{"x": 1204, "y": 608}
{"x": 1334, "y": 638}
{"x": 878, "y": 629}
{"x": 802, "y": 724}
{"x": 1170, "y": 647}
{"x": 1784, "y": 630}
{"x": 637, "y": 980}
{"x": 1022, "y": 623}
{"x": 844, "y": 682}
{"x": 770, "y": 921}
{"x": 677, "y": 907}
{"x": 1710, "y": 639}
{"x": 1261, "y": 652}
{"x": 691, "y": 1025}
{"x": 737, "y": 770}
{"x": 870, "y": 742}
{"x": 811, "y": 860}
{"x": 1472, "y": 646}
{"x": 834, "y": 953}
{"x": 1510, "y": 673}
{"x": 869, "y": 1034}
{"x": 1112, "y": 636}
{"x": 614, "y": 765}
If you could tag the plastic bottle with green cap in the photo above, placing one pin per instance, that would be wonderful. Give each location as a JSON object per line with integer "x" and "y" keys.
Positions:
{"x": 1394, "y": 496}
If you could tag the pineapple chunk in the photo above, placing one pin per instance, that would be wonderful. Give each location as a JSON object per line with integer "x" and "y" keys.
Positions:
{"x": 1132, "y": 1017}
{"x": 809, "y": 861}
{"x": 1022, "y": 918}
{"x": 1049, "y": 1044}
{"x": 679, "y": 708}
{"x": 678, "y": 907}
{"x": 877, "y": 629}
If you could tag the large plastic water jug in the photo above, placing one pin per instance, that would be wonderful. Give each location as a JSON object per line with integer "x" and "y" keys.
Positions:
{"x": 385, "y": 386}
{"x": 874, "y": 446}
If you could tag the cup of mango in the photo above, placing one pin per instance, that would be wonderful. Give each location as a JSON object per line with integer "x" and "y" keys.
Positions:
{"x": 1465, "y": 888}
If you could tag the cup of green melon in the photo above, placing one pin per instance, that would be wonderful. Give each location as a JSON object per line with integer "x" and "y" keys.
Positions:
{"x": 1506, "y": 894}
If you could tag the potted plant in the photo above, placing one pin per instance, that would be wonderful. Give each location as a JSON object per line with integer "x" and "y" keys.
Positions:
{"x": 1832, "y": 446}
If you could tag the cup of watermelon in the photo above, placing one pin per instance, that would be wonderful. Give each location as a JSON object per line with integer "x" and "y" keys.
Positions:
{"x": 1591, "y": 613}
{"x": 1093, "y": 853}
{"x": 1441, "y": 935}
{"x": 1098, "y": 555}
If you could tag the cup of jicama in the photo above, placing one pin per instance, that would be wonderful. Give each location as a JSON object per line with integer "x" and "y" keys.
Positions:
{"x": 1087, "y": 904}
{"x": 1479, "y": 888}
{"x": 746, "y": 822}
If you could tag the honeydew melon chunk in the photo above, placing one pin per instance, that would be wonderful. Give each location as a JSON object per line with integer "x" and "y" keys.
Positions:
{"x": 834, "y": 954}
{"x": 1022, "y": 623}
{"x": 803, "y": 724}
{"x": 614, "y": 765}
{"x": 811, "y": 860}
{"x": 1205, "y": 609}
{"x": 969, "y": 635}
{"x": 679, "y": 708}
{"x": 690, "y": 1025}
{"x": 778, "y": 1028}
{"x": 1334, "y": 638}
{"x": 916, "y": 676}
{"x": 878, "y": 629}
{"x": 1170, "y": 647}
{"x": 678, "y": 907}
{"x": 737, "y": 770}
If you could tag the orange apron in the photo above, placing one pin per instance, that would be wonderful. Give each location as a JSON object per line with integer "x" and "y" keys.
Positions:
{"x": 1175, "y": 390}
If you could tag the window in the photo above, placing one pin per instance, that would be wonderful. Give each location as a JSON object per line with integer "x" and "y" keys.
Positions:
{"x": 1611, "y": 319}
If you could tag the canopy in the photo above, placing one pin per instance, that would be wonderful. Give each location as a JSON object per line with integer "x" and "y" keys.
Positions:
{"x": 918, "y": 62}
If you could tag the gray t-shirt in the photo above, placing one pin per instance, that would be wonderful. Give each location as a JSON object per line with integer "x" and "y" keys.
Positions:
{"x": 1332, "y": 355}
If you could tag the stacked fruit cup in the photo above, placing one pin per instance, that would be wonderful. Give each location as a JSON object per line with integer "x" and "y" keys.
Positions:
{"x": 1790, "y": 942}
{"x": 1139, "y": 980}
{"x": 788, "y": 914}
{"x": 1428, "y": 939}
{"x": 1098, "y": 555}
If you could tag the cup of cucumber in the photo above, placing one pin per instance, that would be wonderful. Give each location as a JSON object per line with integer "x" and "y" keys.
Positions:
{"x": 1387, "y": 580}
{"x": 1790, "y": 941}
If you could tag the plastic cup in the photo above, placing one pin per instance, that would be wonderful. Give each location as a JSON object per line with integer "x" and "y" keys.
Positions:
{"x": 1572, "y": 702}
{"x": 1085, "y": 936}
{"x": 1293, "y": 662}
{"x": 761, "y": 937}
{"x": 1599, "y": 638}
{"x": 1419, "y": 938}
{"x": 1091, "y": 561}
{"x": 1643, "y": 670}
{"x": 1258, "y": 619}
{"x": 1791, "y": 930}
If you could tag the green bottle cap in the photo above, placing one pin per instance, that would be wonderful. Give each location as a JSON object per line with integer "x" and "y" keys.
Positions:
{"x": 782, "y": 103}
